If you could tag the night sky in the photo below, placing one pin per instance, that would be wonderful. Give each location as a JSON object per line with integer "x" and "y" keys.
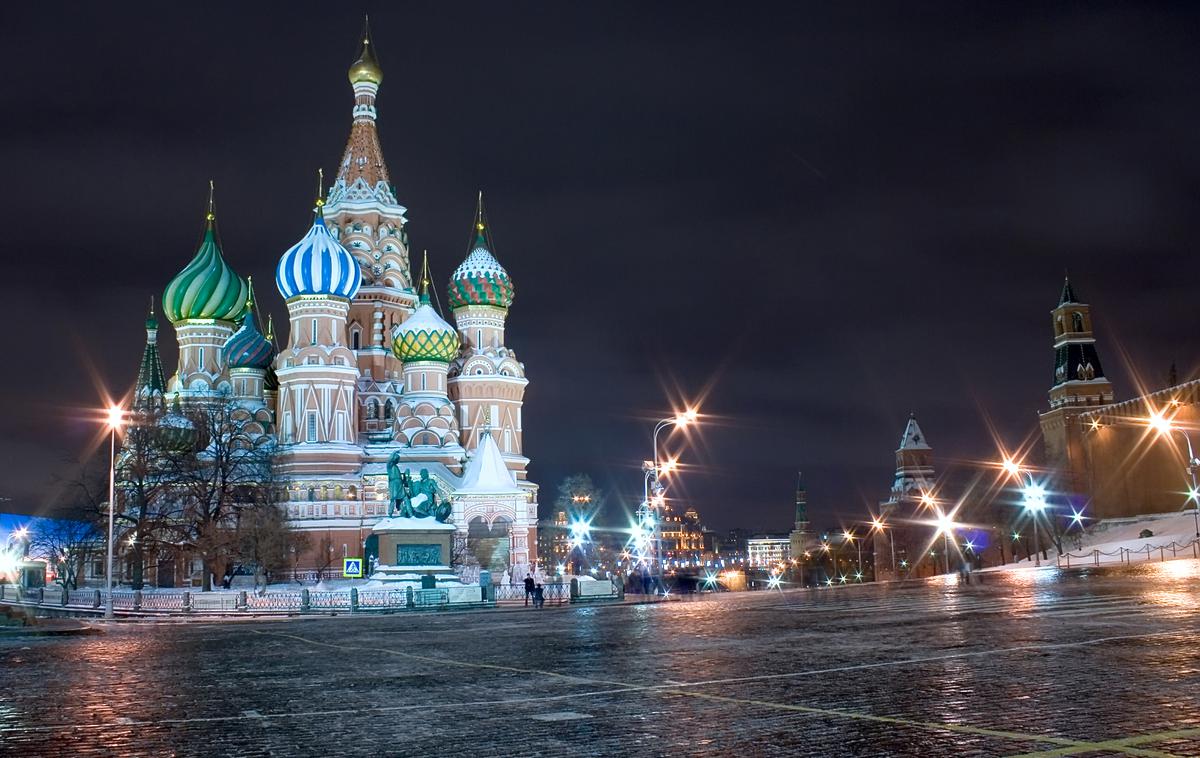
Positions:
{"x": 817, "y": 217}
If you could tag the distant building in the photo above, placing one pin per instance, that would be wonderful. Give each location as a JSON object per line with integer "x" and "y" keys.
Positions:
{"x": 554, "y": 540}
{"x": 735, "y": 541}
{"x": 914, "y": 480}
{"x": 762, "y": 552}
{"x": 801, "y": 538}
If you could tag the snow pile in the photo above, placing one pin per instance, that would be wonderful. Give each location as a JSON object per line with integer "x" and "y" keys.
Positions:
{"x": 1118, "y": 540}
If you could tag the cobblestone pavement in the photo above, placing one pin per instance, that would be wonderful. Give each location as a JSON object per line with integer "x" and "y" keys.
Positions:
{"x": 1041, "y": 663}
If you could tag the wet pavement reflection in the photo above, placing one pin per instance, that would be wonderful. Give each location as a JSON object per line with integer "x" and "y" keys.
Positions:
{"x": 1089, "y": 662}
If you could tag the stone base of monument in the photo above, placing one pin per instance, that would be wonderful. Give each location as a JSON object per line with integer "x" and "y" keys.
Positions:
{"x": 415, "y": 552}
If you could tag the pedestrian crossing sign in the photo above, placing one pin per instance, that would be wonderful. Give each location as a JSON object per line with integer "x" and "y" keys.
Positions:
{"x": 352, "y": 568}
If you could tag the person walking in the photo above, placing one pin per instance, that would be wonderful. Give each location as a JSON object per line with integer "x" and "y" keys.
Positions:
{"x": 529, "y": 588}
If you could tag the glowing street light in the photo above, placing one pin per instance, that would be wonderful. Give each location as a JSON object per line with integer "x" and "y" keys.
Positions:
{"x": 1159, "y": 422}
{"x": 1035, "y": 503}
{"x": 849, "y": 536}
{"x": 114, "y": 420}
{"x": 945, "y": 527}
{"x": 878, "y": 525}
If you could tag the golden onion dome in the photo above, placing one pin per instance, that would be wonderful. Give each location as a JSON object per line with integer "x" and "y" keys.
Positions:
{"x": 366, "y": 68}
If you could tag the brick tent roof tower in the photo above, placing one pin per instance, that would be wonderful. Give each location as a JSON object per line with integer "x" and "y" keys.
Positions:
{"x": 1078, "y": 385}
{"x": 914, "y": 462}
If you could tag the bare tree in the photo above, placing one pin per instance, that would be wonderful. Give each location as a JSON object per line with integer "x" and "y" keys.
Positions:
{"x": 67, "y": 545}
{"x": 265, "y": 540}
{"x": 149, "y": 509}
{"x": 218, "y": 478}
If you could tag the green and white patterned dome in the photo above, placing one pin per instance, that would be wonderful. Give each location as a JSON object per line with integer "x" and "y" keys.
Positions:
{"x": 206, "y": 288}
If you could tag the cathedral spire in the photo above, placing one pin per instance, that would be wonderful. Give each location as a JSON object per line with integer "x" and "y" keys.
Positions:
{"x": 366, "y": 68}
{"x": 362, "y": 175}
{"x": 1068, "y": 293}
{"x": 150, "y": 382}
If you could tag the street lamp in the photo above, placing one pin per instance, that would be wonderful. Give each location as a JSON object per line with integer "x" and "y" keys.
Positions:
{"x": 1035, "y": 503}
{"x": 1034, "y": 496}
{"x": 1165, "y": 426}
{"x": 580, "y": 530}
{"x": 651, "y": 470}
{"x": 878, "y": 525}
{"x": 115, "y": 418}
{"x": 945, "y": 527}
{"x": 849, "y": 537}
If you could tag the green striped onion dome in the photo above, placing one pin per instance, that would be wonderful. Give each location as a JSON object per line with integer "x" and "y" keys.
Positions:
{"x": 480, "y": 280}
{"x": 206, "y": 288}
{"x": 425, "y": 336}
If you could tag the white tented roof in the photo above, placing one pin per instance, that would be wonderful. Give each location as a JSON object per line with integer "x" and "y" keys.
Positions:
{"x": 486, "y": 472}
{"x": 913, "y": 438}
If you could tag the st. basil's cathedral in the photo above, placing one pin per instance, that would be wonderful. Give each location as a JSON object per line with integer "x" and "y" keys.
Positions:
{"x": 370, "y": 367}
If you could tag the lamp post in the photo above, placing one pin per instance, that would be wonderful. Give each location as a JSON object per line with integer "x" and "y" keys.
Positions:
{"x": 945, "y": 527}
{"x": 849, "y": 537}
{"x": 1165, "y": 426}
{"x": 116, "y": 417}
{"x": 652, "y": 470}
{"x": 878, "y": 525}
{"x": 1035, "y": 501}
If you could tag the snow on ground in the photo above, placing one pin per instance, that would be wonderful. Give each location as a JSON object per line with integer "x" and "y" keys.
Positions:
{"x": 1118, "y": 540}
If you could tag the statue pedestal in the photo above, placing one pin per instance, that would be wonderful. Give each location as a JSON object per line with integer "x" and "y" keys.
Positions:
{"x": 412, "y": 548}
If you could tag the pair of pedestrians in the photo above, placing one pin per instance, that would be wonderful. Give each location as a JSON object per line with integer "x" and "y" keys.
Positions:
{"x": 535, "y": 591}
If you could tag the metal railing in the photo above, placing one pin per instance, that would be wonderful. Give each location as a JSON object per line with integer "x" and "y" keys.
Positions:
{"x": 287, "y": 601}
{"x": 1125, "y": 555}
{"x": 555, "y": 593}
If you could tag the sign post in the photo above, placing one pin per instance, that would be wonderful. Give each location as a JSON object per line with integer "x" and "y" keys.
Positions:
{"x": 352, "y": 568}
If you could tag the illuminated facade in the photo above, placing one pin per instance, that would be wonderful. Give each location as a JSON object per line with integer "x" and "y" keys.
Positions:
{"x": 369, "y": 367}
{"x": 1106, "y": 457}
{"x": 763, "y": 552}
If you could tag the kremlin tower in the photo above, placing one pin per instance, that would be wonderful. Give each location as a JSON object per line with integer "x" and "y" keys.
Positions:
{"x": 1079, "y": 386}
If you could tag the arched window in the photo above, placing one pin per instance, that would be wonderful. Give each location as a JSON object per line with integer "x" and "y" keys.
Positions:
{"x": 1058, "y": 325}
{"x": 355, "y": 339}
{"x": 1077, "y": 322}
{"x": 387, "y": 411}
{"x": 372, "y": 409}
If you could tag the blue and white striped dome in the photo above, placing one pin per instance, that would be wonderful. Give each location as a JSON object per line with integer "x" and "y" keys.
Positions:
{"x": 318, "y": 265}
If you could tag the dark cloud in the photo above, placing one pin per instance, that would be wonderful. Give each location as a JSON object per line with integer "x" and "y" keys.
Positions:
{"x": 831, "y": 215}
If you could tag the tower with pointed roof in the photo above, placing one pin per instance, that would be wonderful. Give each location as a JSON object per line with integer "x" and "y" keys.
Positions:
{"x": 203, "y": 302}
{"x": 800, "y": 537}
{"x": 149, "y": 393}
{"x": 1078, "y": 385}
{"x": 363, "y": 213}
{"x": 913, "y": 480}
{"x": 486, "y": 379}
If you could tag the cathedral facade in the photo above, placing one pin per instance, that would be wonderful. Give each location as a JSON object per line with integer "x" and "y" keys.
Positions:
{"x": 369, "y": 367}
